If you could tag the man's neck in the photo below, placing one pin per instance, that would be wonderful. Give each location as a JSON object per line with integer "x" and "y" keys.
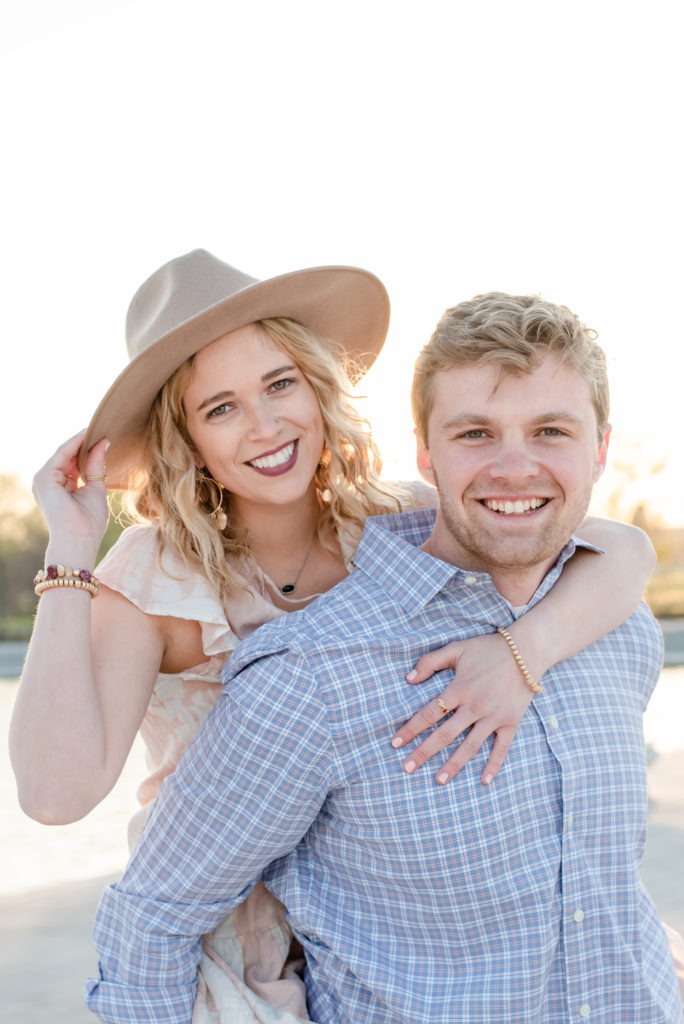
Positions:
{"x": 517, "y": 585}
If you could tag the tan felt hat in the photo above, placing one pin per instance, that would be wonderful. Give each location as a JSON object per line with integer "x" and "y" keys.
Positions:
{"x": 196, "y": 299}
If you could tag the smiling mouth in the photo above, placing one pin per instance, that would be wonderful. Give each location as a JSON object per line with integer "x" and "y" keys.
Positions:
{"x": 514, "y": 508}
{"x": 274, "y": 459}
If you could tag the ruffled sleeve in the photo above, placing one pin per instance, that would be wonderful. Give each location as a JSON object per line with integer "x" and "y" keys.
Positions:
{"x": 166, "y": 587}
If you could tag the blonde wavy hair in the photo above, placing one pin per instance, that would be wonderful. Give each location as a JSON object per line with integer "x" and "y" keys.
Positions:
{"x": 179, "y": 499}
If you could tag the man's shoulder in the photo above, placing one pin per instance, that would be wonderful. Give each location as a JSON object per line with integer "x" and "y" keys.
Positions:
{"x": 642, "y": 622}
{"x": 299, "y": 634}
{"x": 412, "y": 526}
{"x": 632, "y": 653}
{"x": 641, "y": 630}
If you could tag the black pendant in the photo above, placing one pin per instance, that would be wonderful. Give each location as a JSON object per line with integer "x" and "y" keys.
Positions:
{"x": 287, "y": 588}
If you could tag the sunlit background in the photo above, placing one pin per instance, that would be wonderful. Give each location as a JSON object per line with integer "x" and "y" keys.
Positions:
{"x": 450, "y": 147}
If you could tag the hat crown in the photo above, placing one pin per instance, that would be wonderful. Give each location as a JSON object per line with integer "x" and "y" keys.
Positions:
{"x": 177, "y": 293}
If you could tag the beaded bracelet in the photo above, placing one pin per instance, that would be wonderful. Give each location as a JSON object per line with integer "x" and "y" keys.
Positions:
{"x": 534, "y": 686}
{"x": 65, "y": 576}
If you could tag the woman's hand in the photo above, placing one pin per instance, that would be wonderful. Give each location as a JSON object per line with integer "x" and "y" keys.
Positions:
{"x": 487, "y": 696}
{"x": 76, "y": 515}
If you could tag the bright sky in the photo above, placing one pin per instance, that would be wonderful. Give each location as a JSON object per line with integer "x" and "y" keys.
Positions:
{"x": 450, "y": 147}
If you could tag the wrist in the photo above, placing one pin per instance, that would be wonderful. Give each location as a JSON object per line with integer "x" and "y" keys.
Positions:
{"x": 535, "y": 642}
{"x": 532, "y": 684}
{"x": 82, "y": 555}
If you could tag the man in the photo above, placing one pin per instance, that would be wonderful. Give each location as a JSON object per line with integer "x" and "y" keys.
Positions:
{"x": 517, "y": 902}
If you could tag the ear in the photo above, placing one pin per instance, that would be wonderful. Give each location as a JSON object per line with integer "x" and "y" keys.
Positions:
{"x": 602, "y": 454}
{"x": 423, "y": 460}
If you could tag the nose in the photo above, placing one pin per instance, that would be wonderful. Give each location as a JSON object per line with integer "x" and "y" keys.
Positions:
{"x": 514, "y": 461}
{"x": 262, "y": 420}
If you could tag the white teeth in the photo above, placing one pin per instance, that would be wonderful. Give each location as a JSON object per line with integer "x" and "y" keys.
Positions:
{"x": 277, "y": 459}
{"x": 515, "y": 508}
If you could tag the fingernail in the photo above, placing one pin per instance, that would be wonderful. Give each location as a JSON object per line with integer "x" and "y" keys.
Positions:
{"x": 442, "y": 778}
{"x": 487, "y": 779}
{"x": 410, "y": 766}
{"x": 411, "y": 676}
{"x": 397, "y": 742}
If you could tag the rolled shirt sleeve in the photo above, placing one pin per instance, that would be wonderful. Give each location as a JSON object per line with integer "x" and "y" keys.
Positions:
{"x": 244, "y": 795}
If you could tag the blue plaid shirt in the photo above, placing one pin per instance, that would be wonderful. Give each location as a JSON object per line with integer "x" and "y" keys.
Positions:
{"x": 516, "y": 902}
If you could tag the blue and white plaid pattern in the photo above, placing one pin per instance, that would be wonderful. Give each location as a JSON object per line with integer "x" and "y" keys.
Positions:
{"x": 517, "y": 902}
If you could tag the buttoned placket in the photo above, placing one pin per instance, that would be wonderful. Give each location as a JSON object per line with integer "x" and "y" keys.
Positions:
{"x": 573, "y": 912}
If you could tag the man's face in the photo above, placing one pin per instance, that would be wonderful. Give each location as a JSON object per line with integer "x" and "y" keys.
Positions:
{"x": 514, "y": 465}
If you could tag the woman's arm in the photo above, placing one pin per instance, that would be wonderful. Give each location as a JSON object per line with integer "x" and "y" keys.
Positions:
{"x": 90, "y": 666}
{"x": 488, "y": 695}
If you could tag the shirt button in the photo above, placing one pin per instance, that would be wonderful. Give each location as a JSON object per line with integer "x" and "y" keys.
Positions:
{"x": 570, "y": 819}
{"x": 554, "y": 722}
{"x": 578, "y": 916}
{"x": 469, "y": 580}
{"x": 584, "y": 1010}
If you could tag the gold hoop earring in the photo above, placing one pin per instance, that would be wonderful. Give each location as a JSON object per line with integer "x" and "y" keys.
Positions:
{"x": 218, "y": 514}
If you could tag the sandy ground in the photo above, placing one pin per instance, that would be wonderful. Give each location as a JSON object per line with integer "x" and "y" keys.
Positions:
{"x": 51, "y": 878}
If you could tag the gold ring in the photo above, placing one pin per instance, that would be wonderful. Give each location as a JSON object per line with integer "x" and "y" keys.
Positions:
{"x": 442, "y": 706}
{"x": 92, "y": 479}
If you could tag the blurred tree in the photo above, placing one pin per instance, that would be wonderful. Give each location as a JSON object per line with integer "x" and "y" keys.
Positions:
{"x": 623, "y": 490}
{"x": 23, "y": 539}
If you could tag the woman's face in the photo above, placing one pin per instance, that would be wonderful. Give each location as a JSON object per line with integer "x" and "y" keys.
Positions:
{"x": 254, "y": 419}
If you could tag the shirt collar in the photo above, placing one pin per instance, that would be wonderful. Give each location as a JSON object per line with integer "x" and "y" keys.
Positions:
{"x": 389, "y": 552}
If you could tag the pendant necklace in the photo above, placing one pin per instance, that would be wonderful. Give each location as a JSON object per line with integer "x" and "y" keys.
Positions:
{"x": 289, "y": 588}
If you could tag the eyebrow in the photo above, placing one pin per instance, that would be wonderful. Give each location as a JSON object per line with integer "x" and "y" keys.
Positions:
{"x": 478, "y": 420}
{"x": 222, "y": 396}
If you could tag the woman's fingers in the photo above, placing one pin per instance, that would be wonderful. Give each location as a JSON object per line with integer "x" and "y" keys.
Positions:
{"x": 95, "y": 471}
{"x": 477, "y": 735}
{"x": 72, "y": 508}
{"x": 67, "y": 453}
{"x": 502, "y": 744}
{"x": 453, "y": 725}
{"x": 424, "y": 718}
{"x": 458, "y": 716}
{"x": 435, "y": 661}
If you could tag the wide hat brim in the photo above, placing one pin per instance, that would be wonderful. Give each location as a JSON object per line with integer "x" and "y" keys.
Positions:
{"x": 347, "y": 305}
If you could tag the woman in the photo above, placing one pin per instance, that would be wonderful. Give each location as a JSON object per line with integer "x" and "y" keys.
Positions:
{"x": 251, "y": 476}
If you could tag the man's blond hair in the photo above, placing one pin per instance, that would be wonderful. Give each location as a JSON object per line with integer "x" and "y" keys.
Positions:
{"x": 513, "y": 332}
